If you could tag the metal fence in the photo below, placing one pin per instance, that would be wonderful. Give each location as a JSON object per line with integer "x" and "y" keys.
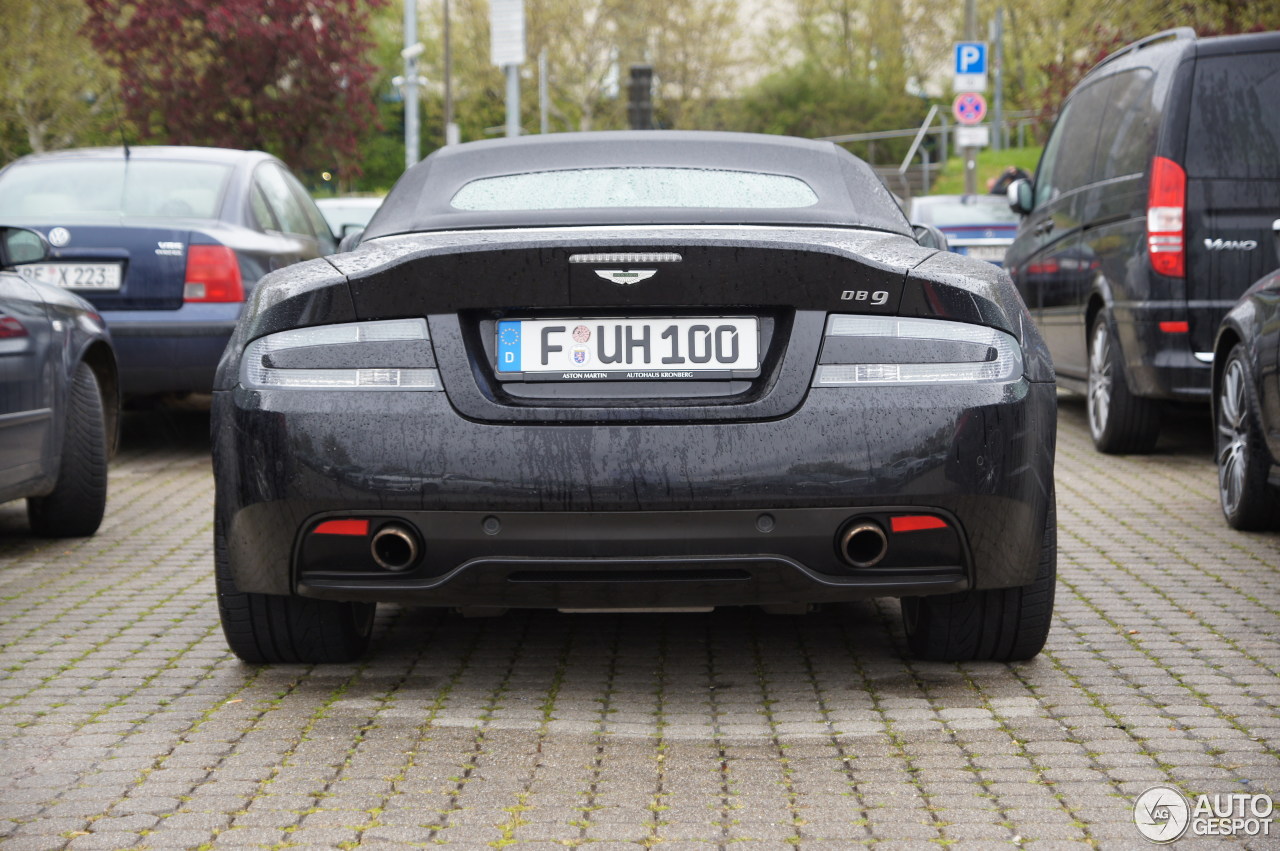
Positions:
{"x": 1018, "y": 127}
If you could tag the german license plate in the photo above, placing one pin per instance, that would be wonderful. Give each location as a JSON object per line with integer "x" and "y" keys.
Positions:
{"x": 74, "y": 276}
{"x": 643, "y": 348}
{"x": 990, "y": 253}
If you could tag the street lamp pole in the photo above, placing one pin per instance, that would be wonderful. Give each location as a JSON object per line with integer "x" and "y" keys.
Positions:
{"x": 450, "y": 132}
{"x": 412, "y": 146}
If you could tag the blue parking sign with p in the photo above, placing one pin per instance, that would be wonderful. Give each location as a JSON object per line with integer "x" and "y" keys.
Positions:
{"x": 971, "y": 57}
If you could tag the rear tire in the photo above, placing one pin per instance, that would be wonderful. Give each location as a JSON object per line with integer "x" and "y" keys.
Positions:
{"x": 275, "y": 629}
{"x": 1119, "y": 421}
{"x": 998, "y": 624}
{"x": 1248, "y": 501}
{"x": 75, "y": 507}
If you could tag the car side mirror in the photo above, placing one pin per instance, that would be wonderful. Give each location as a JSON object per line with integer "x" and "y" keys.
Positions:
{"x": 930, "y": 237}
{"x": 20, "y": 245}
{"x": 1021, "y": 196}
{"x": 350, "y": 238}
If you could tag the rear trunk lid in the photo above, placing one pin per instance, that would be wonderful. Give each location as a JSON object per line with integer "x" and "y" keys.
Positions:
{"x": 691, "y": 325}
{"x": 117, "y": 267}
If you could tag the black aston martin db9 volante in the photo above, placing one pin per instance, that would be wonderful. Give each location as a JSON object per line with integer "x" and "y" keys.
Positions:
{"x": 639, "y": 370}
{"x": 1246, "y": 407}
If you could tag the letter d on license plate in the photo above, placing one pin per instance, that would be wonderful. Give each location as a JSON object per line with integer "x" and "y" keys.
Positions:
{"x": 644, "y": 348}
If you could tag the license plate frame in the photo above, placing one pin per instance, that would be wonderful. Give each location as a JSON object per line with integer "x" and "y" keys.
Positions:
{"x": 71, "y": 275}
{"x": 578, "y": 348}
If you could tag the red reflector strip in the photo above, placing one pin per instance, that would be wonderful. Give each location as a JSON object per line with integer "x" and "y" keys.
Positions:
{"x": 916, "y": 523}
{"x": 342, "y": 527}
{"x": 1175, "y": 327}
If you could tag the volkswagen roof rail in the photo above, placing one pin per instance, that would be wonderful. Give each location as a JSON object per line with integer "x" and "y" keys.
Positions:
{"x": 1176, "y": 34}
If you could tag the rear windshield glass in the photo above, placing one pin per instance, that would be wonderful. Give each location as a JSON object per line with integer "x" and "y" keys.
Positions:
{"x": 634, "y": 187}
{"x": 60, "y": 188}
{"x": 1235, "y": 127}
{"x": 977, "y": 210}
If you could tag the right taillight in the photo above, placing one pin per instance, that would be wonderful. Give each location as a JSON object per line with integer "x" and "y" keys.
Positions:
{"x": 1166, "y": 207}
{"x": 213, "y": 274}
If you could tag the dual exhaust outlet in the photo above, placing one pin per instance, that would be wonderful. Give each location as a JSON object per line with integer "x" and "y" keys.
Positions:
{"x": 860, "y": 543}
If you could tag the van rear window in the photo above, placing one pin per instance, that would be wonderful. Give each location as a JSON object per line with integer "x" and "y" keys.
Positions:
{"x": 1235, "y": 123}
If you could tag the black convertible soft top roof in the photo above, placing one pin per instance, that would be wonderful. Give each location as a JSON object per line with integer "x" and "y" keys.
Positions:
{"x": 849, "y": 193}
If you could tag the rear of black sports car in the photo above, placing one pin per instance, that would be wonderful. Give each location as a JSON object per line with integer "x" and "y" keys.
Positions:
{"x": 699, "y": 407}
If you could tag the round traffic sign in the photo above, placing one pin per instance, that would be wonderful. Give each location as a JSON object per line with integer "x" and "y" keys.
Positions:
{"x": 969, "y": 108}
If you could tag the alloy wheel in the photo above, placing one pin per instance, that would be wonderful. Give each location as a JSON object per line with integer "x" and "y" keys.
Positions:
{"x": 1233, "y": 438}
{"x": 1099, "y": 380}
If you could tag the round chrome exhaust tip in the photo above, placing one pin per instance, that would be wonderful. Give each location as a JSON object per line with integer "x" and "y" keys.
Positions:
{"x": 395, "y": 547}
{"x": 862, "y": 543}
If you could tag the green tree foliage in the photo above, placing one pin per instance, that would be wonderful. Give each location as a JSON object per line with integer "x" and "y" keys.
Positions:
{"x": 1051, "y": 44}
{"x": 53, "y": 89}
{"x": 590, "y": 44}
{"x": 287, "y": 76}
{"x": 850, "y": 66}
{"x": 808, "y": 100}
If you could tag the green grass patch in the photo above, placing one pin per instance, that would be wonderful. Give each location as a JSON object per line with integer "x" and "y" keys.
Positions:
{"x": 990, "y": 164}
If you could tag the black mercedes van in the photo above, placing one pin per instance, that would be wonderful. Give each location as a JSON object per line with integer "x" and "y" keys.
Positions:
{"x": 1153, "y": 208}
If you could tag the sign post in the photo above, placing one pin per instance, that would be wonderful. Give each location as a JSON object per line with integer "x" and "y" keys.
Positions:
{"x": 506, "y": 27}
{"x": 970, "y": 107}
{"x": 412, "y": 144}
{"x": 971, "y": 66}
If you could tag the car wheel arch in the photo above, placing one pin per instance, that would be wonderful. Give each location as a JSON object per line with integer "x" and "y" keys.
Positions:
{"x": 1228, "y": 337}
{"x": 1097, "y": 304}
{"x": 99, "y": 358}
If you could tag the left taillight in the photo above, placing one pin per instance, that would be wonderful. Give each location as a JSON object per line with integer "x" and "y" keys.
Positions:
{"x": 213, "y": 274}
{"x": 387, "y": 354}
{"x": 1166, "y": 211}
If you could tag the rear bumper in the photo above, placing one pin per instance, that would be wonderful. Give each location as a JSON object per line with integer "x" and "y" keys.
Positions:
{"x": 634, "y": 559}
{"x": 1161, "y": 365}
{"x": 171, "y": 351}
{"x": 597, "y": 516}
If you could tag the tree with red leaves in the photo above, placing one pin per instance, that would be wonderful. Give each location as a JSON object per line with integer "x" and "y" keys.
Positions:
{"x": 285, "y": 76}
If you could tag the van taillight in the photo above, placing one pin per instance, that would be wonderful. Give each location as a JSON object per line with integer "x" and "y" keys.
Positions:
{"x": 213, "y": 274}
{"x": 1166, "y": 208}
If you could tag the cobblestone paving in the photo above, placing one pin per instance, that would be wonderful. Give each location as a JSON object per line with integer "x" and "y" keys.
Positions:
{"x": 124, "y": 721}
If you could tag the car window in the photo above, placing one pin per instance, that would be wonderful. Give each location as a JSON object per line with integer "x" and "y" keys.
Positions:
{"x": 1234, "y": 130}
{"x": 283, "y": 203}
{"x": 315, "y": 219}
{"x": 1076, "y": 138}
{"x": 318, "y": 222}
{"x": 112, "y": 187}
{"x": 634, "y": 187}
{"x": 1049, "y": 159}
{"x": 1127, "y": 138}
{"x": 261, "y": 210}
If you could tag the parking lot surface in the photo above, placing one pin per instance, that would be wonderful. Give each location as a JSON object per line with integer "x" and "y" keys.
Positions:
{"x": 125, "y": 722}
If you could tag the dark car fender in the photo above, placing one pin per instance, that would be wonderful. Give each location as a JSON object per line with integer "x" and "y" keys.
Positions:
{"x": 1247, "y": 322}
{"x": 85, "y": 339}
{"x": 951, "y": 286}
{"x": 307, "y": 293}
